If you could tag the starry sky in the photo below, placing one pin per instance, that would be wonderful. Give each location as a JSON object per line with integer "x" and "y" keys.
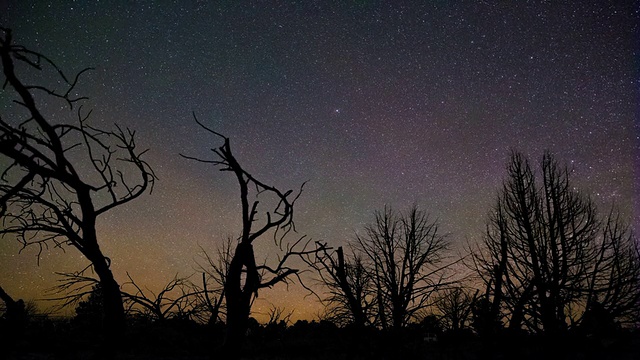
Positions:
{"x": 373, "y": 103}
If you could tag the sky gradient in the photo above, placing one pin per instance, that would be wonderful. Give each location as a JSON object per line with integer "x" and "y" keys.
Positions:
{"x": 373, "y": 103}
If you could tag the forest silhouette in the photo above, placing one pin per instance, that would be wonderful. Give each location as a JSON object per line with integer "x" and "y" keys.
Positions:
{"x": 552, "y": 276}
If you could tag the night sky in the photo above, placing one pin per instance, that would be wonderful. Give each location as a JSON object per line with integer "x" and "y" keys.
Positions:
{"x": 373, "y": 102}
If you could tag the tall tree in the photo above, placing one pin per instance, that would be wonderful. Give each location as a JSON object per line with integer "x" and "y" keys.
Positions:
{"x": 404, "y": 253}
{"x": 546, "y": 253}
{"x": 244, "y": 276}
{"x": 61, "y": 177}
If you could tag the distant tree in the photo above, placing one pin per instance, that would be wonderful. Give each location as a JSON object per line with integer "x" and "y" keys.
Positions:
{"x": 60, "y": 177}
{"x": 214, "y": 276}
{"x": 176, "y": 300}
{"x": 547, "y": 256}
{"x": 431, "y": 323}
{"x": 279, "y": 315}
{"x": 244, "y": 276}
{"x": 454, "y": 305}
{"x": 483, "y": 320}
{"x": 404, "y": 255}
{"x": 90, "y": 310}
{"x": 350, "y": 287}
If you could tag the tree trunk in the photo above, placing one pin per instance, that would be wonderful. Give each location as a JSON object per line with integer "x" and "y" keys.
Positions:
{"x": 239, "y": 299}
{"x": 355, "y": 306}
{"x": 237, "y": 323}
{"x": 114, "y": 320}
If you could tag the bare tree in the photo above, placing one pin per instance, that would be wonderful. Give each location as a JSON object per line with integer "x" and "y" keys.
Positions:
{"x": 62, "y": 176}
{"x": 244, "y": 276}
{"x": 214, "y": 276}
{"x": 349, "y": 284}
{"x": 454, "y": 306}
{"x": 176, "y": 300}
{"x": 546, "y": 254}
{"x": 279, "y": 316}
{"x": 72, "y": 288}
{"x": 404, "y": 254}
{"x": 613, "y": 282}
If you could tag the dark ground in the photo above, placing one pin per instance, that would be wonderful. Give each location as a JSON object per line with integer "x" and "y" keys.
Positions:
{"x": 182, "y": 340}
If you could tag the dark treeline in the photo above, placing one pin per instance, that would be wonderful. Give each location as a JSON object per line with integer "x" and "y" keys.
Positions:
{"x": 553, "y": 275}
{"x": 145, "y": 338}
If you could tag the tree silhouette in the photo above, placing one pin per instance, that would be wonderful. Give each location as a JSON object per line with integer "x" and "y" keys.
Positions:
{"x": 214, "y": 277}
{"x": 350, "y": 287}
{"x": 546, "y": 255}
{"x": 176, "y": 300}
{"x": 403, "y": 253}
{"x": 244, "y": 276}
{"x": 613, "y": 284}
{"x": 90, "y": 310}
{"x": 62, "y": 176}
{"x": 14, "y": 320}
{"x": 454, "y": 306}
{"x": 278, "y": 315}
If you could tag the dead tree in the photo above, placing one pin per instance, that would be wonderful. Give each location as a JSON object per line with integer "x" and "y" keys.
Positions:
{"x": 61, "y": 177}
{"x": 214, "y": 278}
{"x": 176, "y": 300}
{"x": 350, "y": 286}
{"x": 547, "y": 256}
{"x": 404, "y": 253}
{"x": 245, "y": 277}
{"x": 454, "y": 305}
{"x": 613, "y": 284}
{"x": 72, "y": 288}
{"x": 279, "y": 315}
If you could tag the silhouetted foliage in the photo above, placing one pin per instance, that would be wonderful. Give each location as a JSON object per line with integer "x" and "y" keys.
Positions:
{"x": 62, "y": 176}
{"x": 90, "y": 311}
{"x": 431, "y": 324}
{"x": 484, "y": 321}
